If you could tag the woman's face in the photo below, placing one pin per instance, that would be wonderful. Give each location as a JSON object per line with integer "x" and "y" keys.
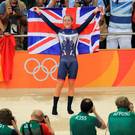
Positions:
{"x": 67, "y": 21}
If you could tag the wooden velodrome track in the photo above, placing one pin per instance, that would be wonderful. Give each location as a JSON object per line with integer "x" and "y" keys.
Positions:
{"x": 23, "y": 101}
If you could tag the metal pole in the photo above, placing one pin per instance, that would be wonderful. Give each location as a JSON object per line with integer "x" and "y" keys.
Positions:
{"x": 102, "y": 34}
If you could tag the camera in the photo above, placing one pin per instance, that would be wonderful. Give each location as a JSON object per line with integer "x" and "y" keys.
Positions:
{"x": 45, "y": 116}
{"x": 9, "y": 121}
{"x": 43, "y": 121}
{"x": 131, "y": 107}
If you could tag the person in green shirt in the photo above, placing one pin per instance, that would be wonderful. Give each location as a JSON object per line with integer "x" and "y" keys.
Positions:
{"x": 6, "y": 120}
{"x": 38, "y": 125}
{"x": 122, "y": 122}
{"x": 83, "y": 123}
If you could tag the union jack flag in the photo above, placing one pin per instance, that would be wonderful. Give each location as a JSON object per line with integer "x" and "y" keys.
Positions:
{"x": 43, "y": 40}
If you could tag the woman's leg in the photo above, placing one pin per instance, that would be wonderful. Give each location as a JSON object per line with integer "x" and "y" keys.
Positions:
{"x": 59, "y": 87}
{"x": 71, "y": 89}
{"x": 72, "y": 74}
{"x": 60, "y": 82}
{"x": 57, "y": 93}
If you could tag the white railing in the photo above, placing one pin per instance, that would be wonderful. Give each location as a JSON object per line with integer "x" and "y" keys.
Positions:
{"x": 102, "y": 34}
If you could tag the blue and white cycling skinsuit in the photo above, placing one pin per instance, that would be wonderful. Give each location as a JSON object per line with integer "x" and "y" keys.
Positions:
{"x": 68, "y": 39}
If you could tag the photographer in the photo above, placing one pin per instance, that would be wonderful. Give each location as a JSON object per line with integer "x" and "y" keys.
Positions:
{"x": 6, "y": 120}
{"x": 38, "y": 125}
{"x": 122, "y": 122}
{"x": 83, "y": 123}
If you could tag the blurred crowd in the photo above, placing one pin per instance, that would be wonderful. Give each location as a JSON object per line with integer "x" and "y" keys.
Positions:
{"x": 85, "y": 122}
{"x": 119, "y": 17}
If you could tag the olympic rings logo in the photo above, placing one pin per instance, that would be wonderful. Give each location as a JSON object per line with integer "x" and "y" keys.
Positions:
{"x": 41, "y": 66}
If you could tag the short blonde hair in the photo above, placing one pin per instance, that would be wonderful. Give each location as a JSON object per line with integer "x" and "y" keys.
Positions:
{"x": 122, "y": 102}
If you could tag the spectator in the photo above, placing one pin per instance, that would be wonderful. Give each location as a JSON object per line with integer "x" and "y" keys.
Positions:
{"x": 133, "y": 26}
{"x": 61, "y": 3}
{"x": 107, "y": 11}
{"x": 45, "y": 3}
{"x": 122, "y": 122}
{"x": 120, "y": 21}
{"x": 10, "y": 12}
{"x": 40, "y": 3}
{"x": 84, "y": 2}
{"x": 38, "y": 125}
{"x": 103, "y": 29}
{"x": 102, "y": 22}
{"x": 6, "y": 120}
{"x": 90, "y": 2}
{"x": 83, "y": 123}
{"x": 29, "y": 4}
{"x": 13, "y": 16}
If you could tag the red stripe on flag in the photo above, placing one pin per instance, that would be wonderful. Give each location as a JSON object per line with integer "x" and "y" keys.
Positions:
{"x": 40, "y": 44}
{"x": 52, "y": 14}
{"x": 41, "y": 27}
{"x": 89, "y": 28}
{"x": 85, "y": 40}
